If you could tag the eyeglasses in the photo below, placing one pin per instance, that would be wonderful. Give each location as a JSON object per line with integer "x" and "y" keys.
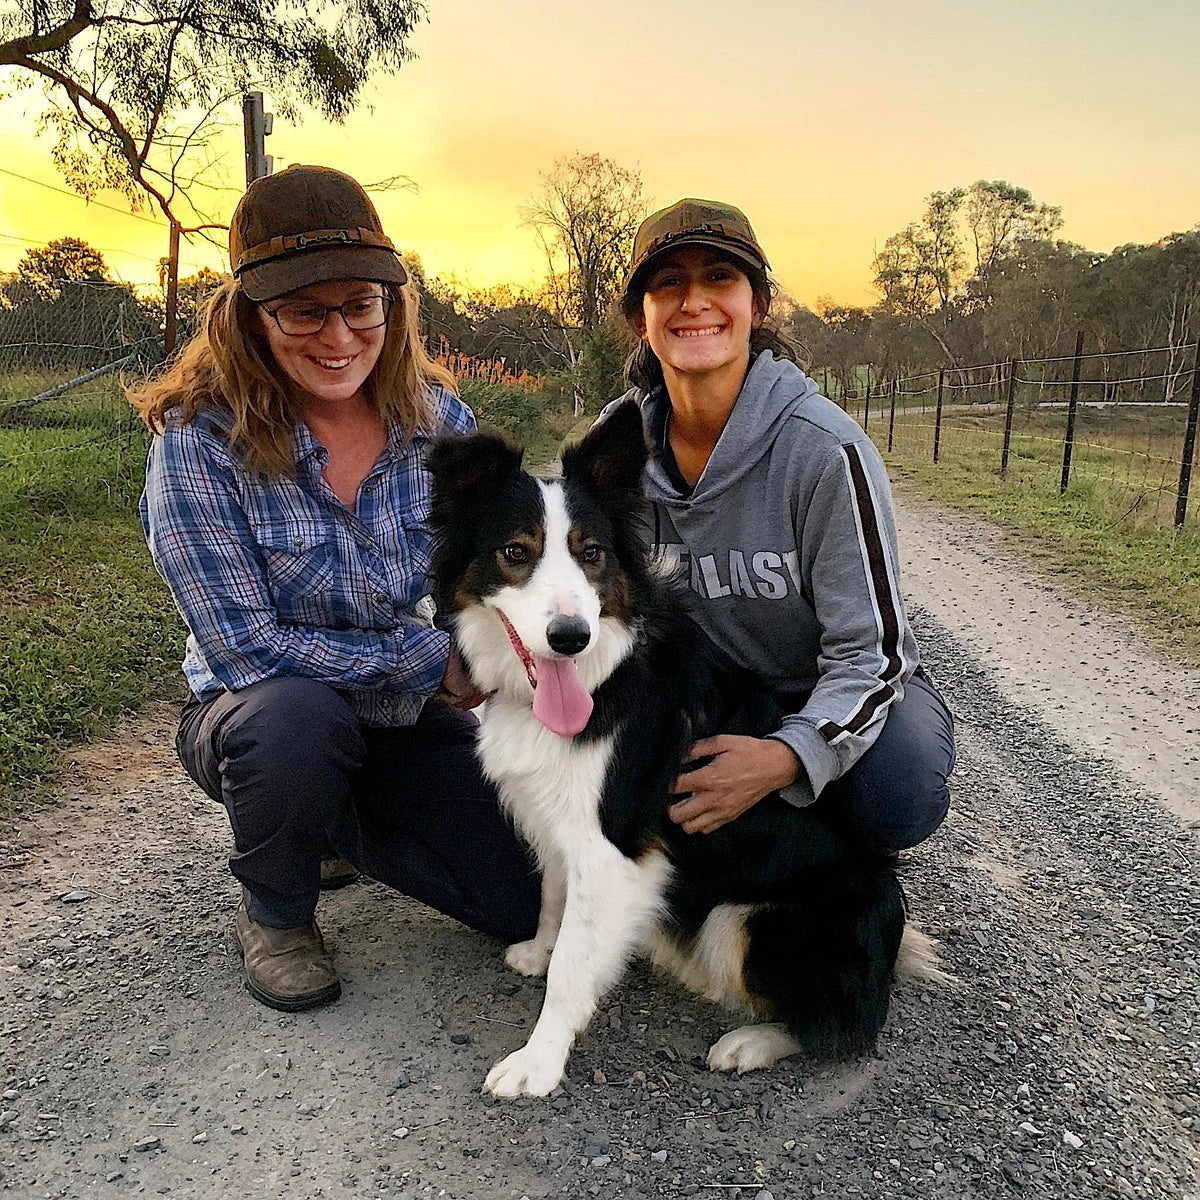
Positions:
{"x": 296, "y": 318}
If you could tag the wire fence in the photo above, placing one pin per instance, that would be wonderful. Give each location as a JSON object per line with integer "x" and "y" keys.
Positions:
{"x": 67, "y": 349}
{"x": 1113, "y": 429}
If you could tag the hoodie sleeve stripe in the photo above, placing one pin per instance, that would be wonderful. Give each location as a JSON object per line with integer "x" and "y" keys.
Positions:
{"x": 885, "y": 600}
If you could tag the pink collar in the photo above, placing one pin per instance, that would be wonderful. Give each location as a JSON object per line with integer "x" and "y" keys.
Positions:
{"x": 521, "y": 649}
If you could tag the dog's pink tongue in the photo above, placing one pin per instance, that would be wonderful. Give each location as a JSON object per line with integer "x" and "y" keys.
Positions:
{"x": 559, "y": 700}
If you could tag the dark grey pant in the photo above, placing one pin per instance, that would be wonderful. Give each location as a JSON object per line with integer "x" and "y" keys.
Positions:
{"x": 296, "y": 769}
{"x": 897, "y": 791}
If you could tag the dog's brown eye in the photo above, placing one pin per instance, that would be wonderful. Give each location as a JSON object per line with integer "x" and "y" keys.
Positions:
{"x": 592, "y": 554}
{"x": 514, "y": 552}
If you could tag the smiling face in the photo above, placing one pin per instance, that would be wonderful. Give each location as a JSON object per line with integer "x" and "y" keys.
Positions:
{"x": 698, "y": 311}
{"x": 332, "y": 365}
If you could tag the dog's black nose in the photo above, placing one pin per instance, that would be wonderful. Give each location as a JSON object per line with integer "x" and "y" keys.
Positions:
{"x": 568, "y": 635}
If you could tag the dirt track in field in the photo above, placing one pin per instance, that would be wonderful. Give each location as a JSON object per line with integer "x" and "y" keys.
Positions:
{"x": 1064, "y": 888}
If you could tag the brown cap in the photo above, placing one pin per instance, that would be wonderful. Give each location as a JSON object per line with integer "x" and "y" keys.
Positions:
{"x": 691, "y": 222}
{"x": 306, "y": 225}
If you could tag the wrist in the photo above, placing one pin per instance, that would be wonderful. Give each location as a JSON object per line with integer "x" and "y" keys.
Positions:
{"x": 782, "y": 762}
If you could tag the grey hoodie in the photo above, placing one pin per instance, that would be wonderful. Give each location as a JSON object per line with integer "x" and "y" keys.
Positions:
{"x": 789, "y": 541}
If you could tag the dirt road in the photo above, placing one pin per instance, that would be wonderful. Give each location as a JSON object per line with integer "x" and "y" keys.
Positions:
{"x": 1064, "y": 887}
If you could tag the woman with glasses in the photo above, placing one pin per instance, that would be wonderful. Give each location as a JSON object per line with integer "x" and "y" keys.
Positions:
{"x": 286, "y": 506}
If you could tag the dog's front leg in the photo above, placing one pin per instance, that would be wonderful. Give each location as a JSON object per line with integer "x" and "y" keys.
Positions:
{"x": 533, "y": 957}
{"x": 610, "y": 901}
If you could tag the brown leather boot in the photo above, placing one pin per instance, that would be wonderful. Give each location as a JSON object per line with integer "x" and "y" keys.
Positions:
{"x": 287, "y": 969}
{"x": 336, "y": 872}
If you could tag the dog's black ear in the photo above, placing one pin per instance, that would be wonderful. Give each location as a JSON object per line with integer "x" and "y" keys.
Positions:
{"x": 461, "y": 466}
{"x": 611, "y": 458}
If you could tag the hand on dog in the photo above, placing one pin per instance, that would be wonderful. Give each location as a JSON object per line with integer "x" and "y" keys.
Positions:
{"x": 457, "y": 688}
{"x": 742, "y": 771}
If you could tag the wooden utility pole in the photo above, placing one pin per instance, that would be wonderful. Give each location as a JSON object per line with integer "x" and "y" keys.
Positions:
{"x": 171, "y": 326}
{"x": 256, "y": 124}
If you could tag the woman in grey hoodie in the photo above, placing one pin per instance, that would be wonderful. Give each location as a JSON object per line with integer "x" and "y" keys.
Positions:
{"x": 776, "y": 506}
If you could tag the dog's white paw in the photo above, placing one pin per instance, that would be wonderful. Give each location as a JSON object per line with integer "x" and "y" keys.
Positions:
{"x": 529, "y": 958}
{"x": 751, "y": 1048}
{"x": 524, "y": 1072}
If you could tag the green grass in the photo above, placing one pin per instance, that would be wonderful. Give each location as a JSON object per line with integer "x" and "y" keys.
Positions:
{"x": 87, "y": 630}
{"x": 1109, "y": 537}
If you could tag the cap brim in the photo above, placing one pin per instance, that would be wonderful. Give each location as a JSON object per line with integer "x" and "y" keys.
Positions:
{"x": 269, "y": 280}
{"x": 734, "y": 250}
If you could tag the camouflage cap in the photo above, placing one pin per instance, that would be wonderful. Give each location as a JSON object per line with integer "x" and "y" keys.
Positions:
{"x": 307, "y": 225}
{"x": 690, "y": 222}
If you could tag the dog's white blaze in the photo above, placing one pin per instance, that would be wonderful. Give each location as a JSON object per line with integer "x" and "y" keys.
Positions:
{"x": 557, "y": 586}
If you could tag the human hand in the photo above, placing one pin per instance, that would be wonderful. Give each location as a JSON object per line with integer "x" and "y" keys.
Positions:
{"x": 457, "y": 688}
{"x": 743, "y": 770}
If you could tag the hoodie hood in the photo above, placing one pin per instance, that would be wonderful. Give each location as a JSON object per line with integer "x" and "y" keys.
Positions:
{"x": 773, "y": 391}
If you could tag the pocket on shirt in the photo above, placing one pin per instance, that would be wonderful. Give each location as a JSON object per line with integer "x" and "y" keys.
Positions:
{"x": 300, "y": 572}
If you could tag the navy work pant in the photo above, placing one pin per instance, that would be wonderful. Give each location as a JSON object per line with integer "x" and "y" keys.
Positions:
{"x": 897, "y": 791}
{"x": 297, "y": 770}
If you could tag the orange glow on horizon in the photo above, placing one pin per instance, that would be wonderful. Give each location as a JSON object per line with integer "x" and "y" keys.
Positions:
{"x": 829, "y": 139}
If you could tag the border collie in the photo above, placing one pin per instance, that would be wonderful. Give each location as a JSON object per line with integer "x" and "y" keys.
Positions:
{"x": 599, "y": 684}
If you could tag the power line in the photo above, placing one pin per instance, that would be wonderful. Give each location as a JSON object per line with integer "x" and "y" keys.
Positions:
{"x": 12, "y": 237}
{"x": 76, "y": 196}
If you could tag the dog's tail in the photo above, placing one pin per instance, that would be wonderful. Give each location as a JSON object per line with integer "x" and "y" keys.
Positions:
{"x": 920, "y": 962}
{"x": 822, "y": 962}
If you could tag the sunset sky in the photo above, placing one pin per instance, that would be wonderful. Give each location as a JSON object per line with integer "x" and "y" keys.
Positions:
{"x": 827, "y": 123}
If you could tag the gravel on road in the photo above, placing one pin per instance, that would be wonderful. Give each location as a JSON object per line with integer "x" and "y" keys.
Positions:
{"x": 1066, "y": 1064}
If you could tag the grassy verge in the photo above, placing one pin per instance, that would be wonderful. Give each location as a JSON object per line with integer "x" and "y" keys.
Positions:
{"x": 1109, "y": 537}
{"x": 87, "y": 630}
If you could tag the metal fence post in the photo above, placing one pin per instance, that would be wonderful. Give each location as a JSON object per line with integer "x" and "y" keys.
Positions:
{"x": 867, "y": 406}
{"x": 1008, "y": 415}
{"x": 1189, "y": 445}
{"x": 892, "y": 416}
{"x": 937, "y": 420}
{"x": 1072, "y": 408}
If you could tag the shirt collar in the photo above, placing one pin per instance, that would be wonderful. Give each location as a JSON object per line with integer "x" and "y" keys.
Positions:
{"x": 305, "y": 445}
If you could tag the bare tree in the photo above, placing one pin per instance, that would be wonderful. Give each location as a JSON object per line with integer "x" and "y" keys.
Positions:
{"x": 585, "y": 217}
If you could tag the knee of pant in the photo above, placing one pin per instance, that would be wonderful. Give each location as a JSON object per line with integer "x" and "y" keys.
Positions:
{"x": 911, "y": 812}
{"x": 294, "y": 726}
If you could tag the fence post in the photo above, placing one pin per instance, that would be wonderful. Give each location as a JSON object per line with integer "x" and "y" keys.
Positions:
{"x": 1008, "y": 415}
{"x": 1072, "y": 407}
{"x": 892, "y": 416}
{"x": 171, "y": 325}
{"x": 825, "y": 382}
{"x": 937, "y": 420}
{"x": 1189, "y": 445}
{"x": 867, "y": 406}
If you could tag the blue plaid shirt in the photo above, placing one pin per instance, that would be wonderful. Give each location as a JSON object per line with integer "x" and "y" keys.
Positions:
{"x": 279, "y": 577}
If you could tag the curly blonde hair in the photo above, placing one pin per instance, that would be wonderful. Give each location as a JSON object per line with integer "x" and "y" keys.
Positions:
{"x": 229, "y": 365}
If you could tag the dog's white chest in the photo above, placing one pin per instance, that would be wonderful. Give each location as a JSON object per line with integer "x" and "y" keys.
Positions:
{"x": 552, "y": 786}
